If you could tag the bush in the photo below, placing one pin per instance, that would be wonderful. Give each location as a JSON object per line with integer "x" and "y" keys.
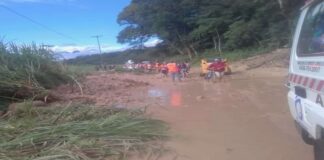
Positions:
{"x": 30, "y": 68}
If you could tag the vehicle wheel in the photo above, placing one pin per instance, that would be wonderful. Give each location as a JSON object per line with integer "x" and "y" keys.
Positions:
{"x": 319, "y": 150}
{"x": 306, "y": 138}
{"x": 214, "y": 77}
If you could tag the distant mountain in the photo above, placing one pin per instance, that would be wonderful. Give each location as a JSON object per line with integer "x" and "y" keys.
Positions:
{"x": 69, "y": 55}
{"x": 120, "y": 57}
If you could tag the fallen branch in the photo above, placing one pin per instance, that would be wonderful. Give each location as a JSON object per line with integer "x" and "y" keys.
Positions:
{"x": 79, "y": 84}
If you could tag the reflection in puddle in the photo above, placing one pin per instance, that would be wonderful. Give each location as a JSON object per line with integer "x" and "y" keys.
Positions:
{"x": 176, "y": 99}
{"x": 171, "y": 98}
{"x": 156, "y": 93}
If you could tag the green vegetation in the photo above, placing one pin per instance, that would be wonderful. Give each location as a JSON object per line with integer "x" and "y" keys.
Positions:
{"x": 76, "y": 132}
{"x": 152, "y": 55}
{"x": 80, "y": 70}
{"x": 236, "y": 54}
{"x": 189, "y": 27}
{"x": 26, "y": 71}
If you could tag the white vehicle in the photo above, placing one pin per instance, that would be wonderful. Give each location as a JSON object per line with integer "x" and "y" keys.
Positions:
{"x": 306, "y": 76}
{"x": 130, "y": 65}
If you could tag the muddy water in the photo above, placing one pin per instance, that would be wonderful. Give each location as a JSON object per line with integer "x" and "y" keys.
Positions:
{"x": 241, "y": 118}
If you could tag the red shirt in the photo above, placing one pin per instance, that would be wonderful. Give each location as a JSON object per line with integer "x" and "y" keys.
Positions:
{"x": 164, "y": 67}
{"x": 217, "y": 66}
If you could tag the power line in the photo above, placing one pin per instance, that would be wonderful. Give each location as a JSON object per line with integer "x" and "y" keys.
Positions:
{"x": 37, "y": 23}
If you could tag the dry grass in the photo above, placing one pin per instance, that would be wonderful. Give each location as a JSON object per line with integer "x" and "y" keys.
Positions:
{"x": 77, "y": 132}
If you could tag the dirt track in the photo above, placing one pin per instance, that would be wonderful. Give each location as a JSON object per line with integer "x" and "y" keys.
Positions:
{"x": 245, "y": 117}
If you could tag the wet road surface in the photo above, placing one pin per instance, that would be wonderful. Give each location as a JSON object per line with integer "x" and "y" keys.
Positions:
{"x": 244, "y": 118}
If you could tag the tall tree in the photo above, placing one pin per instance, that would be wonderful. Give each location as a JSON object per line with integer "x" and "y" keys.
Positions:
{"x": 188, "y": 26}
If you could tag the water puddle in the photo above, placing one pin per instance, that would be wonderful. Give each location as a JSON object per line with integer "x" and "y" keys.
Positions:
{"x": 156, "y": 93}
{"x": 176, "y": 99}
{"x": 171, "y": 98}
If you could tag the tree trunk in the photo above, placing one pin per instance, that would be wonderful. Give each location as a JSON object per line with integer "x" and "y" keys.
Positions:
{"x": 219, "y": 43}
{"x": 186, "y": 47}
{"x": 194, "y": 50}
{"x": 189, "y": 52}
{"x": 280, "y": 4}
{"x": 215, "y": 43}
{"x": 174, "y": 47}
{"x": 180, "y": 51}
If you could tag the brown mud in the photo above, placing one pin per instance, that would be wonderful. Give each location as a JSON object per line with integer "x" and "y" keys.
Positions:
{"x": 245, "y": 117}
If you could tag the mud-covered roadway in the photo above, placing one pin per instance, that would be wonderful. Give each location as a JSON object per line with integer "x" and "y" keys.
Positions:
{"x": 245, "y": 117}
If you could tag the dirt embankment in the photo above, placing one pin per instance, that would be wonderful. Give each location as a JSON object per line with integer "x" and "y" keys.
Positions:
{"x": 277, "y": 59}
{"x": 105, "y": 89}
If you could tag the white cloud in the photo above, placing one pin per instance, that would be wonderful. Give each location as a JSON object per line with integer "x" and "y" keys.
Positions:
{"x": 72, "y": 51}
{"x": 152, "y": 42}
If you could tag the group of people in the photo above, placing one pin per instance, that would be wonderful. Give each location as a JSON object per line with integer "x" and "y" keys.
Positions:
{"x": 177, "y": 71}
{"x": 180, "y": 70}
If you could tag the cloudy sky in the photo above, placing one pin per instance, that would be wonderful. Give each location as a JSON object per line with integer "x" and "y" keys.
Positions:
{"x": 66, "y": 24}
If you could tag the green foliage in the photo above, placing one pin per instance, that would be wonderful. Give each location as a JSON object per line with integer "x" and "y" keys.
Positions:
{"x": 76, "y": 132}
{"x": 80, "y": 70}
{"x": 188, "y": 26}
{"x": 153, "y": 55}
{"x": 26, "y": 70}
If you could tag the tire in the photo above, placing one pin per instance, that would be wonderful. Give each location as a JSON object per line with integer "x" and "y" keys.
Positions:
{"x": 319, "y": 150}
{"x": 306, "y": 138}
{"x": 214, "y": 77}
{"x": 304, "y": 134}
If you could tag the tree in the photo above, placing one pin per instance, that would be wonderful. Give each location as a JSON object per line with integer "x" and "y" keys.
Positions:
{"x": 189, "y": 26}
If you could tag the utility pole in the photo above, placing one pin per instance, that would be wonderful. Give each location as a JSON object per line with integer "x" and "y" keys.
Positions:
{"x": 98, "y": 41}
{"x": 99, "y": 46}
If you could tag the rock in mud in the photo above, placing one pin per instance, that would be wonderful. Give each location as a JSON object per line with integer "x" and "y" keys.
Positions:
{"x": 200, "y": 98}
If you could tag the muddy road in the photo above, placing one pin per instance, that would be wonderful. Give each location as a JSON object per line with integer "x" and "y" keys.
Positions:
{"x": 246, "y": 117}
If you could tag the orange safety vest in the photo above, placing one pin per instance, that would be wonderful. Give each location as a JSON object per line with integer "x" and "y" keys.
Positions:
{"x": 172, "y": 67}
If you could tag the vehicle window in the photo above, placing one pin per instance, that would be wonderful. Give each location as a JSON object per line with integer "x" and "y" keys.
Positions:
{"x": 311, "y": 41}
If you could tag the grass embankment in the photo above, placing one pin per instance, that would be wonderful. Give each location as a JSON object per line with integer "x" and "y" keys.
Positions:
{"x": 26, "y": 71}
{"x": 230, "y": 55}
{"x": 81, "y": 70}
{"x": 77, "y": 132}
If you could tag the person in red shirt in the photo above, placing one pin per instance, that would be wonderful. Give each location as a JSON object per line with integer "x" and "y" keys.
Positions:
{"x": 164, "y": 70}
{"x": 217, "y": 67}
